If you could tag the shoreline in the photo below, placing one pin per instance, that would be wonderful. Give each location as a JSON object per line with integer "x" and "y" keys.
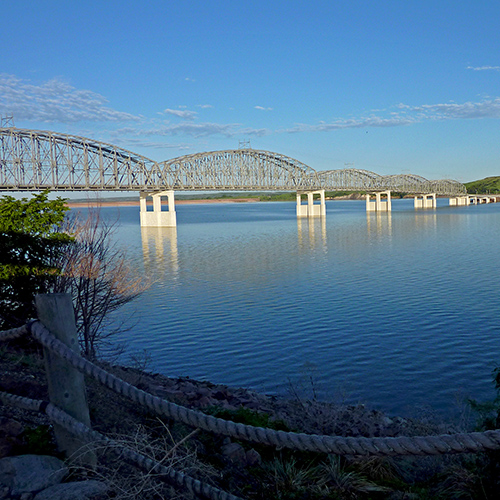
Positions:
{"x": 298, "y": 410}
{"x": 129, "y": 203}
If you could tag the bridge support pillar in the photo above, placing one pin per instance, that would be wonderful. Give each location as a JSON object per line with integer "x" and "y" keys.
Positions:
{"x": 311, "y": 209}
{"x": 157, "y": 217}
{"x": 379, "y": 205}
{"x": 459, "y": 201}
{"x": 425, "y": 201}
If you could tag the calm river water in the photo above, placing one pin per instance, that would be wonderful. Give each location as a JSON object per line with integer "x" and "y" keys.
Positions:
{"x": 399, "y": 311}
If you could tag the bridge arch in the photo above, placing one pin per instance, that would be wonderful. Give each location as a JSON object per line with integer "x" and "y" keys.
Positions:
{"x": 350, "y": 179}
{"x": 37, "y": 160}
{"x": 238, "y": 169}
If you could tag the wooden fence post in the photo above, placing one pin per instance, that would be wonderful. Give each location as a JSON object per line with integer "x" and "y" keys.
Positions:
{"x": 66, "y": 384}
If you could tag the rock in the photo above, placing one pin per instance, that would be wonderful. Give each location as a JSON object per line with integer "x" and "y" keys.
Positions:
{"x": 220, "y": 395}
{"x": 11, "y": 427}
{"x": 253, "y": 458}
{"x": 203, "y": 391}
{"x": 78, "y": 490}
{"x": 190, "y": 396}
{"x": 188, "y": 387}
{"x": 10, "y": 432}
{"x": 203, "y": 402}
{"x": 235, "y": 453}
{"x": 5, "y": 447}
{"x": 225, "y": 405}
{"x": 253, "y": 405}
{"x": 31, "y": 473}
{"x": 159, "y": 390}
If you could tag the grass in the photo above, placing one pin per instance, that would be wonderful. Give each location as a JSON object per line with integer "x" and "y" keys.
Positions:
{"x": 248, "y": 417}
{"x": 488, "y": 185}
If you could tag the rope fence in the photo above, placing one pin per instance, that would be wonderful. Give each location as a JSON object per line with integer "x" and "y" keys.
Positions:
{"x": 168, "y": 474}
{"x": 380, "y": 446}
{"x": 471, "y": 442}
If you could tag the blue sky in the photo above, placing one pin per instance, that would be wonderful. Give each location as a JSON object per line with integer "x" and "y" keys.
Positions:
{"x": 389, "y": 86}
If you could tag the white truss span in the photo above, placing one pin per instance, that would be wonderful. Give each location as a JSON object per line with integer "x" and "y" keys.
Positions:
{"x": 238, "y": 169}
{"x": 35, "y": 160}
{"x": 364, "y": 180}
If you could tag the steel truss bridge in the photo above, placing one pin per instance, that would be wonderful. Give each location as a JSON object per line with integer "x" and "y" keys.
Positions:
{"x": 32, "y": 160}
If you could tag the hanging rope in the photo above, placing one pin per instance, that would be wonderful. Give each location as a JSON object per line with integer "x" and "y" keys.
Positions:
{"x": 14, "y": 333}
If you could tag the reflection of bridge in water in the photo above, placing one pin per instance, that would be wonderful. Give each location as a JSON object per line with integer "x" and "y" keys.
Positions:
{"x": 37, "y": 160}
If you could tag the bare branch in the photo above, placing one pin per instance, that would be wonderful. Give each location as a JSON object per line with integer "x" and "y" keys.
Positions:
{"x": 99, "y": 277}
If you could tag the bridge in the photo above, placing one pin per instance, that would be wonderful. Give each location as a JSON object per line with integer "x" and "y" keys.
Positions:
{"x": 33, "y": 160}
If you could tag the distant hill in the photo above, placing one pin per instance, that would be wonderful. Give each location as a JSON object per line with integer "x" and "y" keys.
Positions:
{"x": 490, "y": 185}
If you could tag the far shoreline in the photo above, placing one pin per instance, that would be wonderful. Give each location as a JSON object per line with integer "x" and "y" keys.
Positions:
{"x": 129, "y": 203}
{"x": 117, "y": 202}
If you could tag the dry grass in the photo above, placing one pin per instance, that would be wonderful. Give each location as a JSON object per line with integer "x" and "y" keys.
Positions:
{"x": 129, "y": 482}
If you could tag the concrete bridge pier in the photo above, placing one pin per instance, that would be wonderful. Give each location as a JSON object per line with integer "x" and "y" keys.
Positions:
{"x": 459, "y": 201}
{"x": 311, "y": 209}
{"x": 425, "y": 201}
{"x": 379, "y": 205}
{"x": 157, "y": 217}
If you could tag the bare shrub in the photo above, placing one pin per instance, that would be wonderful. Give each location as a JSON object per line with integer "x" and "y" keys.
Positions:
{"x": 95, "y": 271}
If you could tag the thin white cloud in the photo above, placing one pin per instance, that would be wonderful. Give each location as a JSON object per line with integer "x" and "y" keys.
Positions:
{"x": 256, "y": 132}
{"x": 203, "y": 130}
{"x": 55, "y": 101}
{"x": 484, "y": 68}
{"x": 469, "y": 110}
{"x": 261, "y": 108}
{"x": 373, "y": 121}
{"x": 191, "y": 129}
{"x": 130, "y": 143}
{"x": 205, "y": 106}
{"x": 185, "y": 115}
{"x": 195, "y": 130}
{"x": 407, "y": 115}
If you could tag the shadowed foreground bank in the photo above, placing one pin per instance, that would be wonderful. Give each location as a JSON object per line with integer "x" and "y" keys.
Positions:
{"x": 246, "y": 470}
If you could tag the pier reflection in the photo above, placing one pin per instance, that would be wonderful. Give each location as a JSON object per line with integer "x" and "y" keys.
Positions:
{"x": 159, "y": 248}
{"x": 426, "y": 221}
{"x": 410, "y": 225}
{"x": 379, "y": 224}
{"x": 312, "y": 233}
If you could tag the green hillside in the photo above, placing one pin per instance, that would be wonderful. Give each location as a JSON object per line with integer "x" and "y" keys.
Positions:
{"x": 490, "y": 185}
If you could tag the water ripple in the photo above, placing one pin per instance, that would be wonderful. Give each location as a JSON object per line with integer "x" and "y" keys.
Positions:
{"x": 397, "y": 311}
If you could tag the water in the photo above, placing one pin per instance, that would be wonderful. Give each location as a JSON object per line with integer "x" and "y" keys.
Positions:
{"x": 396, "y": 310}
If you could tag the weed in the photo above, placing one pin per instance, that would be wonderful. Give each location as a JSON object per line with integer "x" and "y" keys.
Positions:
{"x": 378, "y": 469}
{"x": 289, "y": 479}
{"x": 335, "y": 478}
{"x": 460, "y": 482}
{"x": 248, "y": 417}
{"x": 39, "y": 440}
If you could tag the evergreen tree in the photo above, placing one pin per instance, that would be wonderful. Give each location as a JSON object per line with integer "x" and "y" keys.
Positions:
{"x": 30, "y": 244}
